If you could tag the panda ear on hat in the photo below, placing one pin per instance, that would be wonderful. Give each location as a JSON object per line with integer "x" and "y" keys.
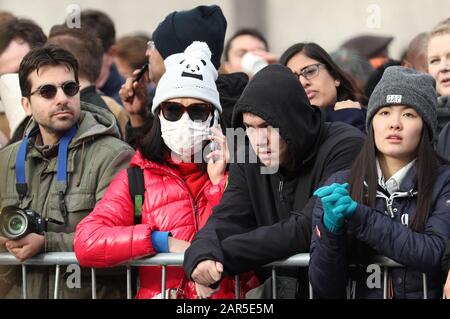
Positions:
{"x": 196, "y": 50}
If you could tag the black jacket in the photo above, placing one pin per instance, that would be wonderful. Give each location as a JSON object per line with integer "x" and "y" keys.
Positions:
{"x": 443, "y": 112}
{"x": 443, "y": 144}
{"x": 262, "y": 218}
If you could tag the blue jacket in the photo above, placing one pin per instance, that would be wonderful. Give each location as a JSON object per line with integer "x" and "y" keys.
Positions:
{"x": 380, "y": 231}
{"x": 113, "y": 84}
{"x": 354, "y": 117}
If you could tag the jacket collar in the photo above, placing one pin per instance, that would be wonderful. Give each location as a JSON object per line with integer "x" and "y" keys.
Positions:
{"x": 51, "y": 166}
{"x": 402, "y": 180}
{"x": 139, "y": 160}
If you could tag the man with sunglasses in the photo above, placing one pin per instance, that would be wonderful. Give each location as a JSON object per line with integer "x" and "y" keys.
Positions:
{"x": 265, "y": 212}
{"x": 60, "y": 170}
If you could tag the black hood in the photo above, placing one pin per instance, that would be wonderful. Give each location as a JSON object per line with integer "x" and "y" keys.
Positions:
{"x": 276, "y": 95}
{"x": 230, "y": 87}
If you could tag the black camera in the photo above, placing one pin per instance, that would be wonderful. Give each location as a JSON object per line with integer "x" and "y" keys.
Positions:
{"x": 16, "y": 222}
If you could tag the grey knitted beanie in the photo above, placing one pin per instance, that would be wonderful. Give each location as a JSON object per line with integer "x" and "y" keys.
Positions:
{"x": 406, "y": 86}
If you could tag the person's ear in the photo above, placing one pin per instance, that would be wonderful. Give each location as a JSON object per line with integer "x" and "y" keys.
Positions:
{"x": 26, "y": 104}
{"x": 337, "y": 83}
{"x": 112, "y": 51}
{"x": 407, "y": 64}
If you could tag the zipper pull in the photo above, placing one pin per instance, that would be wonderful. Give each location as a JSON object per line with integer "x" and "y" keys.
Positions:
{"x": 389, "y": 207}
{"x": 405, "y": 219}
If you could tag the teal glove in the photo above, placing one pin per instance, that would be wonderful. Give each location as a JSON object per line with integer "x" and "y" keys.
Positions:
{"x": 337, "y": 205}
{"x": 345, "y": 206}
{"x": 328, "y": 190}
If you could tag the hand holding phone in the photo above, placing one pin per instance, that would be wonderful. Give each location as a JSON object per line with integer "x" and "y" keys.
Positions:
{"x": 219, "y": 156}
{"x": 137, "y": 78}
{"x": 215, "y": 123}
{"x": 141, "y": 72}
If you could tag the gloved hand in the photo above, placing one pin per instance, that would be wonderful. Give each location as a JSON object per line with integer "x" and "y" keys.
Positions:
{"x": 337, "y": 205}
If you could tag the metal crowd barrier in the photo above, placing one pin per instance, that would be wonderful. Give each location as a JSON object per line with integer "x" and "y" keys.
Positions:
{"x": 68, "y": 258}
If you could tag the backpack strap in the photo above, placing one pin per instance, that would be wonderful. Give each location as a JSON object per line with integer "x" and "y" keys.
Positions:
{"x": 136, "y": 187}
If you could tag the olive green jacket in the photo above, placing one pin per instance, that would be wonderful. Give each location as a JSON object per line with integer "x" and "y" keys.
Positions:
{"x": 95, "y": 156}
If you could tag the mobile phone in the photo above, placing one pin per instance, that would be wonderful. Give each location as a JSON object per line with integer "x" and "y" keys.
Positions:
{"x": 141, "y": 72}
{"x": 215, "y": 122}
{"x": 138, "y": 76}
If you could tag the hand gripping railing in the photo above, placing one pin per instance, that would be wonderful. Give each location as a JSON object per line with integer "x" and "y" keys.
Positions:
{"x": 164, "y": 260}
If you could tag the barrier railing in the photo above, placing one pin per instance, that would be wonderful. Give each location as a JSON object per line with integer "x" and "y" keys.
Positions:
{"x": 68, "y": 258}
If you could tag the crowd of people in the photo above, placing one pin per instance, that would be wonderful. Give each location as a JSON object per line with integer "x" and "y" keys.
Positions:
{"x": 184, "y": 143}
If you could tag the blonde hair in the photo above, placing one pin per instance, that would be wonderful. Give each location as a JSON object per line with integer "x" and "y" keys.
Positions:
{"x": 442, "y": 27}
{"x": 132, "y": 50}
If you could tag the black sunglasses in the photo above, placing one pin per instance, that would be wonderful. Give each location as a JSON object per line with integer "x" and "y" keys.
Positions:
{"x": 48, "y": 91}
{"x": 173, "y": 111}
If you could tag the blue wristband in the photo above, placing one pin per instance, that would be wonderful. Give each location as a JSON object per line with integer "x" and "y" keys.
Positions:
{"x": 160, "y": 241}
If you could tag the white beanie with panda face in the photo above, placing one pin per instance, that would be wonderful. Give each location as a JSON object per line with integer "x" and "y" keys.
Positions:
{"x": 188, "y": 75}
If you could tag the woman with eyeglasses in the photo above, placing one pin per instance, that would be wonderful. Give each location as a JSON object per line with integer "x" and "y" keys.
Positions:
{"x": 180, "y": 187}
{"x": 326, "y": 85}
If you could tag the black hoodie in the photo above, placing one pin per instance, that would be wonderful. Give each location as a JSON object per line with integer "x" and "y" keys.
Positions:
{"x": 263, "y": 218}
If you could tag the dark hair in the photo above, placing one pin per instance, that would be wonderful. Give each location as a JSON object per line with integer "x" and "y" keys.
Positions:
{"x": 364, "y": 170}
{"x": 132, "y": 50}
{"x": 246, "y": 31}
{"x": 84, "y": 45}
{"x": 355, "y": 65}
{"x": 44, "y": 56}
{"x": 376, "y": 76}
{"x": 153, "y": 148}
{"x": 24, "y": 29}
{"x": 101, "y": 24}
{"x": 347, "y": 88}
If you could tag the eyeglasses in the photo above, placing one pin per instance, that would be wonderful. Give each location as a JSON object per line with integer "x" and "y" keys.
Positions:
{"x": 151, "y": 45}
{"x": 48, "y": 91}
{"x": 173, "y": 111}
{"x": 309, "y": 72}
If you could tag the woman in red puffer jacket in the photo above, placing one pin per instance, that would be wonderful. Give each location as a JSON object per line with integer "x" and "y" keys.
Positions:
{"x": 180, "y": 188}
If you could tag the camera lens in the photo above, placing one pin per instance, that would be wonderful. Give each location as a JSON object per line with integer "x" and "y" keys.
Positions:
{"x": 14, "y": 222}
{"x": 16, "y": 225}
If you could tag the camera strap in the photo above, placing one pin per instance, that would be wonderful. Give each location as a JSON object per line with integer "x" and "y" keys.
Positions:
{"x": 61, "y": 172}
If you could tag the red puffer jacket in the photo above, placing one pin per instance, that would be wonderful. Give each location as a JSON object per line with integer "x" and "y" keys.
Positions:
{"x": 108, "y": 236}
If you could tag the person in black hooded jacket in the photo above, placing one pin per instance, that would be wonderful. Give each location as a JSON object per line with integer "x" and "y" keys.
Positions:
{"x": 266, "y": 217}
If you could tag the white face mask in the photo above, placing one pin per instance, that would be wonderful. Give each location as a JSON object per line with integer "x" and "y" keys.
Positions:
{"x": 184, "y": 137}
